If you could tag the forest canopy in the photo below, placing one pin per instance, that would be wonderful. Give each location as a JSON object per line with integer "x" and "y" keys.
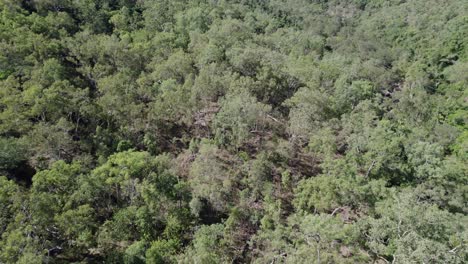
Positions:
{"x": 243, "y": 131}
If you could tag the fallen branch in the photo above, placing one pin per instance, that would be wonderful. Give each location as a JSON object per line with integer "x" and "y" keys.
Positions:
{"x": 274, "y": 119}
{"x": 336, "y": 210}
{"x": 370, "y": 168}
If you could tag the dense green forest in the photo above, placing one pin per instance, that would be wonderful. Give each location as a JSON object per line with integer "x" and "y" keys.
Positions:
{"x": 240, "y": 131}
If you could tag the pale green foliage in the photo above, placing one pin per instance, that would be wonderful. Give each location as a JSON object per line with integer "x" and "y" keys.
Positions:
{"x": 311, "y": 238}
{"x": 240, "y": 116}
{"x": 325, "y": 193}
{"x": 209, "y": 178}
{"x": 162, "y": 251}
{"x": 207, "y": 246}
{"x": 410, "y": 230}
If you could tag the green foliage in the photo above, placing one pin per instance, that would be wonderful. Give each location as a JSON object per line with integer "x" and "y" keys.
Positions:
{"x": 310, "y": 238}
{"x": 411, "y": 230}
{"x": 195, "y": 131}
{"x": 210, "y": 179}
{"x": 12, "y": 153}
{"x": 325, "y": 193}
{"x": 10, "y": 198}
{"x": 207, "y": 246}
{"x": 240, "y": 116}
{"x": 162, "y": 251}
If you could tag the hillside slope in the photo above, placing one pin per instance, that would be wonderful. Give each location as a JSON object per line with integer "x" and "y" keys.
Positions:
{"x": 213, "y": 131}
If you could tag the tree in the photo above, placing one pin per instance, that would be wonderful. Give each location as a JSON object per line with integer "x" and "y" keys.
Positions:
{"x": 239, "y": 117}
{"x": 209, "y": 178}
{"x": 293, "y": 131}
{"x": 405, "y": 229}
{"x": 10, "y": 197}
{"x": 12, "y": 153}
{"x": 207, "y": 246}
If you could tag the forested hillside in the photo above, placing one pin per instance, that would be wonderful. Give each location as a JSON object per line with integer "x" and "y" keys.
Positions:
{"x": 241, "y": 131}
